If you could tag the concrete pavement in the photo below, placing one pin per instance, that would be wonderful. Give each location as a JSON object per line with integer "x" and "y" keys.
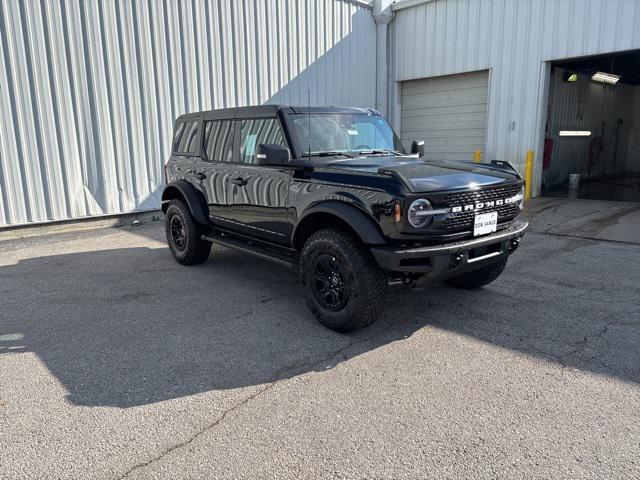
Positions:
{"x": 116, "y": 362}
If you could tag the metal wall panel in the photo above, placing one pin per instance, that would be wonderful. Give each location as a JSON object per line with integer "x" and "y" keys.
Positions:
{"x": 449, "y": 113}
{"x": 514, "y": 39}
{"x": 89, "y": 89}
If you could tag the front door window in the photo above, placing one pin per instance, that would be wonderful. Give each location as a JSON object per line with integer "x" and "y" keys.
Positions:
{"x": 256, "y": 131}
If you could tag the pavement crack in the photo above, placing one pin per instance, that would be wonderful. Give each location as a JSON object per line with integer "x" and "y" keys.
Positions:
{"x": 197, "y": 434}
{"x": 341, "y": 352}
{"x": 278, "y": 377}
{"x": 560, "y": 359}
{"x": 579, "y": 350}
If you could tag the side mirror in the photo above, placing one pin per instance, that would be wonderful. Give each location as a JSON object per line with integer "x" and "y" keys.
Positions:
{"x": 273, "y": 154}
{"x": 417, "y": 147}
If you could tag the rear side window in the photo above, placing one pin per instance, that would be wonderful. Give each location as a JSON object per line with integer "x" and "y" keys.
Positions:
{"x": 185, "y": 138}
{"x": 218, "y": 141}
{"x": 255, "y": 132}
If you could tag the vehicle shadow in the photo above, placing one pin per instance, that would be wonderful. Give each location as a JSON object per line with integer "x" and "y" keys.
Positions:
{"x": 128, "y": 327}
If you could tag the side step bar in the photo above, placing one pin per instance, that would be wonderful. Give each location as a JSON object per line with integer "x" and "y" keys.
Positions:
{"x": 285, "y": 259}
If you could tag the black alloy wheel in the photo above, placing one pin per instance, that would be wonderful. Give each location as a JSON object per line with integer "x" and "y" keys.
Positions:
{"x": 178, "y": 234}
{"x": 184, "y": 235}
{"x": 342, "y": 283}
{"x": 331, "y": 284}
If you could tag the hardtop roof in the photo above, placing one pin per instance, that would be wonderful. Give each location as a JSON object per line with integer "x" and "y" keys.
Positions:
{"x": 266, "y": 111}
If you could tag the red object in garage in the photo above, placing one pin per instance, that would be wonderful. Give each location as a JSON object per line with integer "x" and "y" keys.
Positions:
{"x": 548, "y": 148}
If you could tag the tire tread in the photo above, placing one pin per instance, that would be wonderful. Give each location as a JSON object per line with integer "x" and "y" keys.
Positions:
{"x": 197, "y": 250}
{"x": 374, "y": 280}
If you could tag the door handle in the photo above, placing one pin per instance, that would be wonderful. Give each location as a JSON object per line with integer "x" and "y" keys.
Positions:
{"x": 200, "y": 175}
{"x": 239, "y": 181}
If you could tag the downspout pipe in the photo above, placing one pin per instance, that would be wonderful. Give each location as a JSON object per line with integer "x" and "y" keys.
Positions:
{"x": 382, "y": 15}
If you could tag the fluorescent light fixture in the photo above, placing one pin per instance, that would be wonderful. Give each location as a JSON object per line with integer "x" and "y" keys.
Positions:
{"x": 605, "y": 78}
{"x": 570, "y": 77}
{"x": 574, "y": 133}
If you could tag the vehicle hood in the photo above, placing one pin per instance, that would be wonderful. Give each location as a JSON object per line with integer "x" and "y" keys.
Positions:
{"x": 421, "y": 175}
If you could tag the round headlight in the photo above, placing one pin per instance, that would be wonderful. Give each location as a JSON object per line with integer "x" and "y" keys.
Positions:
{"x": 416, "y": 213}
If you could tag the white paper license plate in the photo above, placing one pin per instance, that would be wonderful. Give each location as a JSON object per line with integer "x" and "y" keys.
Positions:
{"x": 485, "y": 223}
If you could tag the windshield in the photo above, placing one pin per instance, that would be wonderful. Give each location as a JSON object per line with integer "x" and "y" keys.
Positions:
{"x": 336, "y": 133}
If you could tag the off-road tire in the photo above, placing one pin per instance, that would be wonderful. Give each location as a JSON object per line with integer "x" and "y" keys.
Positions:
{"x": 478, "y": 278}
{"x": 367, "y": 283}
{"x": 194, "y": 249}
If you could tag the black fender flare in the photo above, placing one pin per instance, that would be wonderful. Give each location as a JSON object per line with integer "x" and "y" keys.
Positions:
{"x": 192, "y": 197}
{"x": 364, "y": 226}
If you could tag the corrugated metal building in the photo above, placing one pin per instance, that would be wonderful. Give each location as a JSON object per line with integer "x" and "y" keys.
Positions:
{"x": 511, "y": 46}
{"x": 89, "y": 89}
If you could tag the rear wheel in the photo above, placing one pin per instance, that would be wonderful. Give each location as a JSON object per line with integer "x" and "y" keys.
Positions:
{"x": 478, "y": 278}
{"x": 343, "y": 286}
{"x": 183, "y": 235}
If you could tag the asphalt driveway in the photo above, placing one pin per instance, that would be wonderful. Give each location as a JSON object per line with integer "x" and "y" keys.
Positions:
{"x": 116, "y": 362}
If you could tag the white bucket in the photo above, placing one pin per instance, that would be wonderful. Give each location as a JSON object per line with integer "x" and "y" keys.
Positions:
{"x": 574, "y": 181}
{"x": 574, "y": 185}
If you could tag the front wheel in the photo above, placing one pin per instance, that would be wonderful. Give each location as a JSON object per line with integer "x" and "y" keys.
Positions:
{"x": 343, "y": 286}
{"x": 478, "y": 278}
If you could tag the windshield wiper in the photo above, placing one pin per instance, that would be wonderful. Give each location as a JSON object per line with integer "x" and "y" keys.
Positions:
{"x": 379, "y": 152}
{"x": 327, "y": 154}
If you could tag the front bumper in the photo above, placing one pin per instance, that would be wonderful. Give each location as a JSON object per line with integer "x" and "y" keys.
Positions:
{"x": 451, "y": 259}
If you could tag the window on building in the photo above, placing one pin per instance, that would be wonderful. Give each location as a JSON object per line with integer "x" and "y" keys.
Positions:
{"x": 255, "y": 132}
{"x": 218, "y": 141}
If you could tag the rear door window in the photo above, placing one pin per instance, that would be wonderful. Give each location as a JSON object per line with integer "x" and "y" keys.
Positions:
{"x": 218, "y": 141}
{"x": 257, "y": 131}
{"x": 185, "y": 138}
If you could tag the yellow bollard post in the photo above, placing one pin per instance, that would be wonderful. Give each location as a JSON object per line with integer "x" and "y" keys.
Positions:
{"x": 477, "y": 156}
{"x": 528, "y": 175}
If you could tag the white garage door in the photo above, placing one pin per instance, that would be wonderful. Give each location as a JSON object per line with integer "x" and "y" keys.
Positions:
{"x": 449, "y": 113}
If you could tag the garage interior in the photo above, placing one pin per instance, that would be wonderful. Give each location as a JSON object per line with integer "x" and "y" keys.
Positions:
{"x": 593, "y": 129}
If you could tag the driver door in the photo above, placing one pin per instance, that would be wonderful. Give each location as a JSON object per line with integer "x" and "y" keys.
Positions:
{"x": 260, "y": 193}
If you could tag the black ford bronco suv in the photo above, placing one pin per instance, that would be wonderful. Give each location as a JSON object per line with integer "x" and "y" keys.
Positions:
{"x": 332, "y": 192}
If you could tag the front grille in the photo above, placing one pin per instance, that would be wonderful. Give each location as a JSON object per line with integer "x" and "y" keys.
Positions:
{"x": 463, "y": 221}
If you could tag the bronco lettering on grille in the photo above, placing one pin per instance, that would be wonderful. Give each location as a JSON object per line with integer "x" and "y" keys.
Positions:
{"x": 480, "y": 205}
